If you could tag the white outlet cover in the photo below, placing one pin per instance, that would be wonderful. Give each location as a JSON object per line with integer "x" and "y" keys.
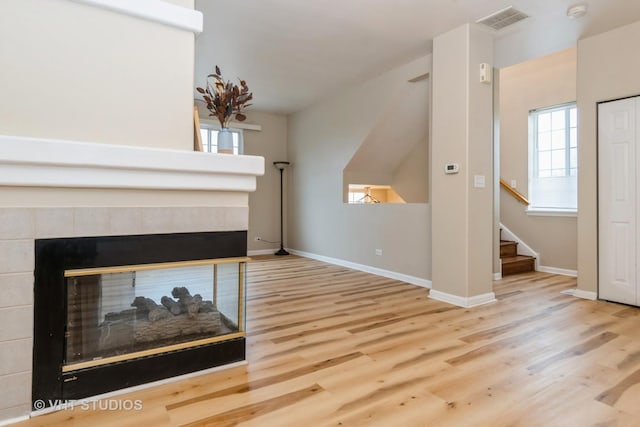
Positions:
{"x": 478, "y": 181}
{"x": 379, "y": 252}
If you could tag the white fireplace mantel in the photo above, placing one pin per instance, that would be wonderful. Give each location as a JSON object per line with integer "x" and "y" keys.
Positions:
{"x": 153, "y": 10}
{"x": 31, "y": 162}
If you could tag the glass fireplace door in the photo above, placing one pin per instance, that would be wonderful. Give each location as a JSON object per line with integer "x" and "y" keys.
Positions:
{"x": 125, "y": 312}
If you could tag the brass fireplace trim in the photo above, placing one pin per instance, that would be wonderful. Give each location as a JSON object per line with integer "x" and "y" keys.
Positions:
{"x": 127, "y": 268}
{"x": 241, "y": 297}
{"x": 180, "y": 346}
{"x": 150, "y": 352}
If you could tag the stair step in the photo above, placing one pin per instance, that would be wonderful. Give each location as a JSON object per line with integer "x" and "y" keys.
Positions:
{"x": 517, "y": 264}
{"x": 508, "y": 248}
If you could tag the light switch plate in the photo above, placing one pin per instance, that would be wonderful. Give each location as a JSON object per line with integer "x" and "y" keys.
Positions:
{"x": 478, "y": 181}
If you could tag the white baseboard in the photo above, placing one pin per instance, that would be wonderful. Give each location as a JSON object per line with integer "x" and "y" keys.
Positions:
{"x": 13, "y": 420}
{"x": 418, "y": 281}
{"x": 465, "y": 302}
{"x": 555, "y": 270}
{"x": 262, "y": 252}
{"x": 579, "y": 293}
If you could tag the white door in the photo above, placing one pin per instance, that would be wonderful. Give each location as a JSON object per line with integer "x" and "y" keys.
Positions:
{"x": 618, "y": 163}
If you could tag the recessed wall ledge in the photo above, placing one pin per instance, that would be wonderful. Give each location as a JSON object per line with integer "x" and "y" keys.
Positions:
{"x": 153, "y": 10}
{"x": 33, "y": 162}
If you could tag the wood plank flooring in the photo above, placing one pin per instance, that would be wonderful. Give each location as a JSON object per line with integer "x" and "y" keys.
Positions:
{"x": 329, "y": 346}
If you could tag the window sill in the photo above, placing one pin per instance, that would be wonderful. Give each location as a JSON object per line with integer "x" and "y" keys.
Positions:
{"x": 552, "y": 212}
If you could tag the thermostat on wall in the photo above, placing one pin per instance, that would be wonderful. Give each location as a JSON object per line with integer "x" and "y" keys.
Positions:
{"x": 451, "y": 168}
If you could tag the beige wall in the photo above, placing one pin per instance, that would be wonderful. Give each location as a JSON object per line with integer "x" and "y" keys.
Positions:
{"x": 497, "y": 264}
{"x": 462, "y": 218}
{"x": 393, "y": 197}
{"x": 271, "y": 143}
{"x": 395, "y": 150}
{"x": 608, "y": 68}
{"x": 541, "y": 82}
{"x": 480, "y": 158}
{"x": 264, "y": 203}
{"x": 411, "y": 178}
{"x": 449, "y": 192}
{"x": 77, "y": 72}
{"x": 89, "y": 197}
{"x": 409, "y": 181}
{"x": 322, "y": 140}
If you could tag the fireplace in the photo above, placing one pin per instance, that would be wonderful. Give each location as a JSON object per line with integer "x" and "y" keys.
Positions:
{"x": 118, "y": 311}
{"x": 83, "y": 206}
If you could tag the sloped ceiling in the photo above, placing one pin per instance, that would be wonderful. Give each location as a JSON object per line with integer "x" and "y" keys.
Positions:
{"x": 292, "y": 53}
{"x": 403, "y": 124}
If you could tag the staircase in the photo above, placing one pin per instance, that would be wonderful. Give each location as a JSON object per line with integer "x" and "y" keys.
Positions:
{"x": 512, "y": 263}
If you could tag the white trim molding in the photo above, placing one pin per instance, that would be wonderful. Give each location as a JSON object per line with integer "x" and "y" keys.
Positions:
{"x": 418, "y": 281}
{"x": 262, "y": 252}
{"x": 466, "y": 302}
{"x": 31, "y": 162}
{"x": 579, "y": 293}
{"x": 11, "y": 421}
{"x": 551, "y": 212}
{"x": 497, "y": 276}
{"x": 555, "y": 270}
{"x": 153, "y": 10}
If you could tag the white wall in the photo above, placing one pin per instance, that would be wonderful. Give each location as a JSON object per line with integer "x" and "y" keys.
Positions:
{"x": 190, "y": 4}
{"x": 76, "y": 72}
{"x": 537, "y": 83}
{"x": 608, "y": 68}
{"x": 322, "y": 140}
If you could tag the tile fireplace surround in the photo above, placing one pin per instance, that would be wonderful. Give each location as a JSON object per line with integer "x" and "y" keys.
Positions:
{"x": 69, "y": 172}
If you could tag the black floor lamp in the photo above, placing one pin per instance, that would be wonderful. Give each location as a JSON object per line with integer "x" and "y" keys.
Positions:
{"x": 281, "y": 166}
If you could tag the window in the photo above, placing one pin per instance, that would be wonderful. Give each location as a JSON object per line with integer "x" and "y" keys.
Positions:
{"x": 372, "y": 194}
{"x": 553, "y": 159}
{"x": 209, "y": 135}
{"x": 356, "y": 196}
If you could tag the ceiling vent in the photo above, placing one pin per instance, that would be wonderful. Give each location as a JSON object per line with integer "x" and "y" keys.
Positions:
{"x": 502, "y": 18}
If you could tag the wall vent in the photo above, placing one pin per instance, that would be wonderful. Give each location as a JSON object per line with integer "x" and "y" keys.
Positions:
{"x": 502, "y": 18}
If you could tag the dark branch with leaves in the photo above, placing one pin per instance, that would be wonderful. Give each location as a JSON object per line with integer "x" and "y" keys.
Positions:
{"x": 225, "y": 100}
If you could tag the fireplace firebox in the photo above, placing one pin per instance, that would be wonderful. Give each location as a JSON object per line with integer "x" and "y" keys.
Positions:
{"x": 118, "y": 311}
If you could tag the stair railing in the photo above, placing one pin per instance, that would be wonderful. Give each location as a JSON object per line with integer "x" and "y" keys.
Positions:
{"x": 519, "y": 197}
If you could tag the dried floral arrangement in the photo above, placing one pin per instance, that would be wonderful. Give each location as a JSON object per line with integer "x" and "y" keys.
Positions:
{"x": 225, "y": 99}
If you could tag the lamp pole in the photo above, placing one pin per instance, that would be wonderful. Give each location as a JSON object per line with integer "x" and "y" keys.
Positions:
{"x": 281, "y": 165}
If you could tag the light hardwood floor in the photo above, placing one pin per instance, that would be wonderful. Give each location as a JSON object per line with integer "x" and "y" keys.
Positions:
{"x": 329, "y": 346}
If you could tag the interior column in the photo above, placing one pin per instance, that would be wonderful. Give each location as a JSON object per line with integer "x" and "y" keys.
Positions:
{"x": 462, "y": 167}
